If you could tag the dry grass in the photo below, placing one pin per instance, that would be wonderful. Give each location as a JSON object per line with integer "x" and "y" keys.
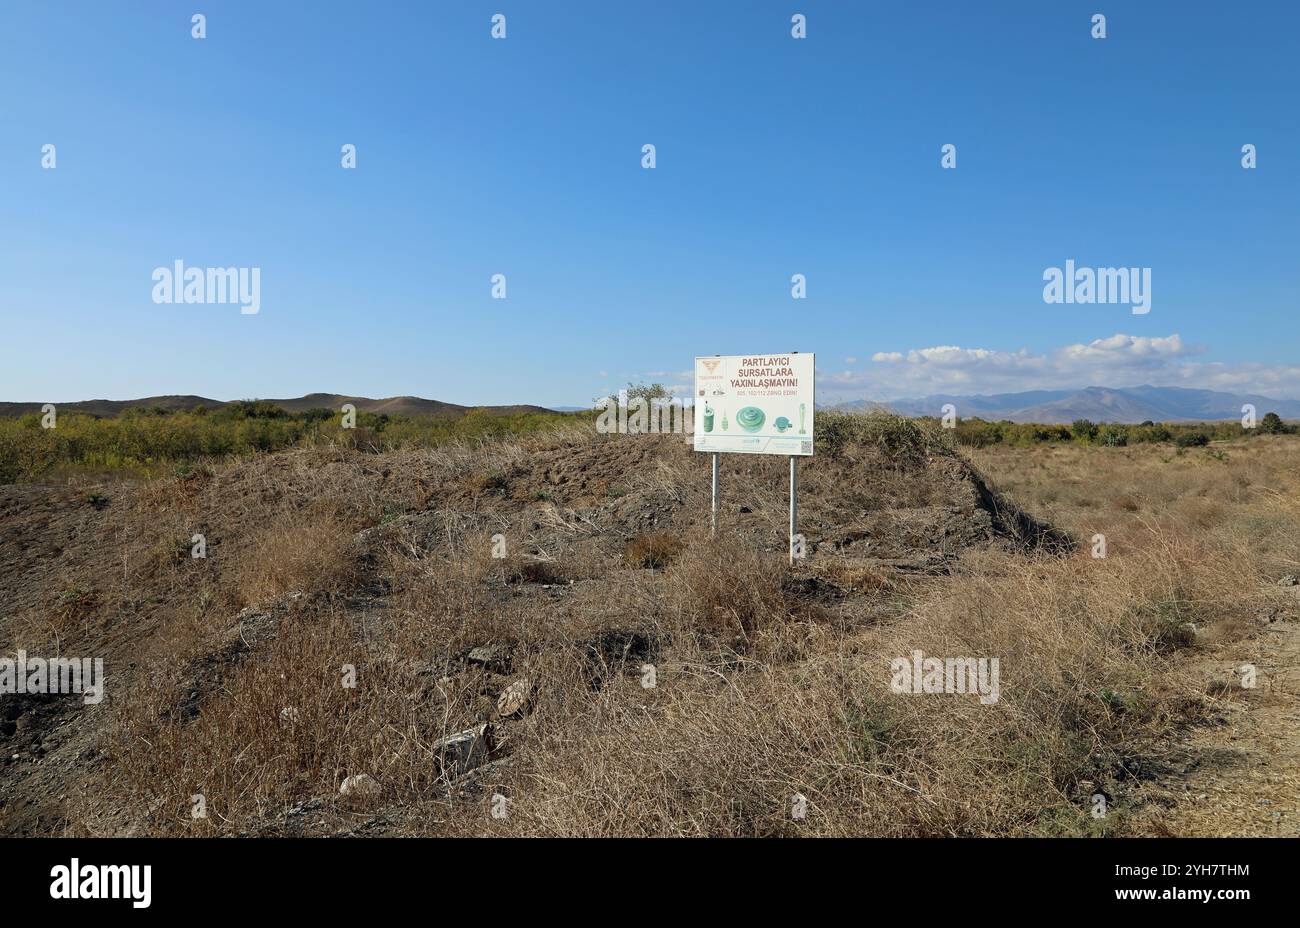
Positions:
{"x": 768, "y": 684}
{"x": 311, "y": 549}
{"x": 652, "y": 550}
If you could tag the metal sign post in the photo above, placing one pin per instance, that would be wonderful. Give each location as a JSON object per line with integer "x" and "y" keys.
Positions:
{"x": 756, "y": 404}
{"x": 794, "y": 504}
{"x": 713, "y": 530}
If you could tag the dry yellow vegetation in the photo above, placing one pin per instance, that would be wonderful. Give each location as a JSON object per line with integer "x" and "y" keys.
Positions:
{"x": 617, "y": 671}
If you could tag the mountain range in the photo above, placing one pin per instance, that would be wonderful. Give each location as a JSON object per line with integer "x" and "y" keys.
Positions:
{"x": 393, "y": 405}
{"x": 1099, "y": 404}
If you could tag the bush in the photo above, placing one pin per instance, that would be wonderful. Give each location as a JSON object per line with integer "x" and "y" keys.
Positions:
{"x": 1083, "y": 430}
{"x": 1192, "y": 440}
{"x": 980, "y": 434}
{"x": 1114, "y": 436}
{"x": 1272, "y": 424}
{"x": 251, "y": 409}
{"x": 1160, "y": 433}
{"x": 897, "y": 436}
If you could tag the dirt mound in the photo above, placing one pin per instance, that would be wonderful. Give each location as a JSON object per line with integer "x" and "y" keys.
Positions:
{"x": 586, "y": 554}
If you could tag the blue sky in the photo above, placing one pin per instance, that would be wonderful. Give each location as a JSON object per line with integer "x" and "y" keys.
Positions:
{"x": 522, "y": 156}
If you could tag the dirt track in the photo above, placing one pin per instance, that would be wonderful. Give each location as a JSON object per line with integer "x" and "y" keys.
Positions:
{"x": 1239, "y": 776}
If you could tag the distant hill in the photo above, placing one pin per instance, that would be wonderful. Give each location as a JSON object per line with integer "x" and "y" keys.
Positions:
{"x": 1099, "y": 404}
{"x": 393, "y": 405}
{"x": 113, "y": 407}
{"x": 396, "y": 405}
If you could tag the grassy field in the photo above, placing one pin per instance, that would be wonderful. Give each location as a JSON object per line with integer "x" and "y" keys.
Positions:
{"x": 1220, "y": 527}
{"x": 150, "y": 442}
{"x": 771, "y": 685}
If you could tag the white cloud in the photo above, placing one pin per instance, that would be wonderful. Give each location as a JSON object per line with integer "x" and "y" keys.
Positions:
{"x": 1118, "y": 361}
{"x": 1124, "y": 348}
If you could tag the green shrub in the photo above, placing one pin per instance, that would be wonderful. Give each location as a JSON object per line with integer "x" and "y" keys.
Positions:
{"x": 251, "y": 409}
{"x": 1113, "y": 435}
{"x": 1083, "y": 430}
{"x": 1272, "y": 424}
{"x": 147, "y": 443}
{"x": 897, "y": 436}
{"x": 1158, "y": 433}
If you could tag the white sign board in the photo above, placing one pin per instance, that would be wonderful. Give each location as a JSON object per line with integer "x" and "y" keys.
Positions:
{"x": 760, "y": 404}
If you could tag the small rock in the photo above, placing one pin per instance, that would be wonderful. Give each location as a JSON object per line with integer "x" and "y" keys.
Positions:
{"x": 289, "y": 714}
{"x": 1289, "y": 580}
{"x": 513, "y": 698}
{"x": 464, "y": 750}
{"x": 494, "y": 657}
{"x": 359, "y": 785}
